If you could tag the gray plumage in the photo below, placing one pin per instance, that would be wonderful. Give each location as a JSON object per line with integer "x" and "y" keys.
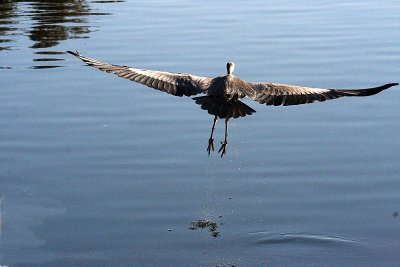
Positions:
{"x": 228, "y": 87}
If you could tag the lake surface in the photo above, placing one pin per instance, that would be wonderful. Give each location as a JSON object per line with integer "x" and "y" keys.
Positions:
{"x": 99, "y": 171}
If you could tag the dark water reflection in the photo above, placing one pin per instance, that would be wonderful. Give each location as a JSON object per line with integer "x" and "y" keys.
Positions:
{"x": 7, "y": 20}
{"x": 46, "y": 24}
{"x": 50, "y": 21}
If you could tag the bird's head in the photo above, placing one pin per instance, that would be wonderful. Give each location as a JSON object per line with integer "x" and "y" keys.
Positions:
{"x": 230, "y": 66}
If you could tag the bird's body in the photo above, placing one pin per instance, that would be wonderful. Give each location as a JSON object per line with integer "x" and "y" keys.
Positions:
{"x": 226, "y": 86}
{"x": 223, "y": 93}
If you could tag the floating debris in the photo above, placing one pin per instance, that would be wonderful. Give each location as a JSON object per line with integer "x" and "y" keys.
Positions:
{"x": 204, "y": 223}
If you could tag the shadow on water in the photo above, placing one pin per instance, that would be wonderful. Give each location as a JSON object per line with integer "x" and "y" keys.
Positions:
{"x": 46, "y": 24}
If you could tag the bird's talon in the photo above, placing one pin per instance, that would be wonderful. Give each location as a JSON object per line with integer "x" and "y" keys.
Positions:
{"x": 222, "y": 150}
{"x": 210, "y": 145}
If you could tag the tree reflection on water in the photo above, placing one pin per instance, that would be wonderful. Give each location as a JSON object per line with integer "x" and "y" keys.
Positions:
{"x": 56, "y": 21}
{"x": 7, "y": 14}
{"x": 46, "y": 23}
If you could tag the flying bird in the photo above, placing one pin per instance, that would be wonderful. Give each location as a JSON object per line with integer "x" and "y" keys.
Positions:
{"x": 223, "y": 93}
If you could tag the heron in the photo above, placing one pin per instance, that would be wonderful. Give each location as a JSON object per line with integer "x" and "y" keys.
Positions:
{"x": 223, "y": 93}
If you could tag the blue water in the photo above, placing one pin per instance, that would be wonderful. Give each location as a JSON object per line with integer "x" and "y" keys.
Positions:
{"x": 99, "y": 171}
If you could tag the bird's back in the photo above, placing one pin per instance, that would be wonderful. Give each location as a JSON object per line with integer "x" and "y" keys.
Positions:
{"x": 228, "y": 86}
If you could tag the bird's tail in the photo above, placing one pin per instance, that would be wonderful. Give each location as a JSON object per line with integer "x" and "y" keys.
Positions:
{"x": 222, "y": 108}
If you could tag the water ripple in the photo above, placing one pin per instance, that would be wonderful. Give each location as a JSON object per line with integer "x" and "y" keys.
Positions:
{"x": 270, "y": 238}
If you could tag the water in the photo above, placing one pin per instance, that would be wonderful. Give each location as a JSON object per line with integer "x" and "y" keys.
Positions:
{"x": 99, "y": 171}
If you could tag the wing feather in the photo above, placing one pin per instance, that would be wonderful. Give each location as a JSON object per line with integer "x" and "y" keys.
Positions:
{"x": 177, "y": 84}
{"x": 283, "y": 94}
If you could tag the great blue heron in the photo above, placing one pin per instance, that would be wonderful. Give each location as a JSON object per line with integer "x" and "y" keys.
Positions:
{"x": 224, "y": 92}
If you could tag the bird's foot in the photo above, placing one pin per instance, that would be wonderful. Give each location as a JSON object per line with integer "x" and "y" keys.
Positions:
{"x": 223, "y": 148}
{"x": 210, "y": 146}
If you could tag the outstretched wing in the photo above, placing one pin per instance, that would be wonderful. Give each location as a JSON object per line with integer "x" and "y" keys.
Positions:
{"x": 177, "y": 84}
{"x": 282, "y": 94}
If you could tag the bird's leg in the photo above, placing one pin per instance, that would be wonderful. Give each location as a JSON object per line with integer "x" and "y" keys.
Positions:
{"x": 211, "y": 140}
{"x": 225, "y": 142}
